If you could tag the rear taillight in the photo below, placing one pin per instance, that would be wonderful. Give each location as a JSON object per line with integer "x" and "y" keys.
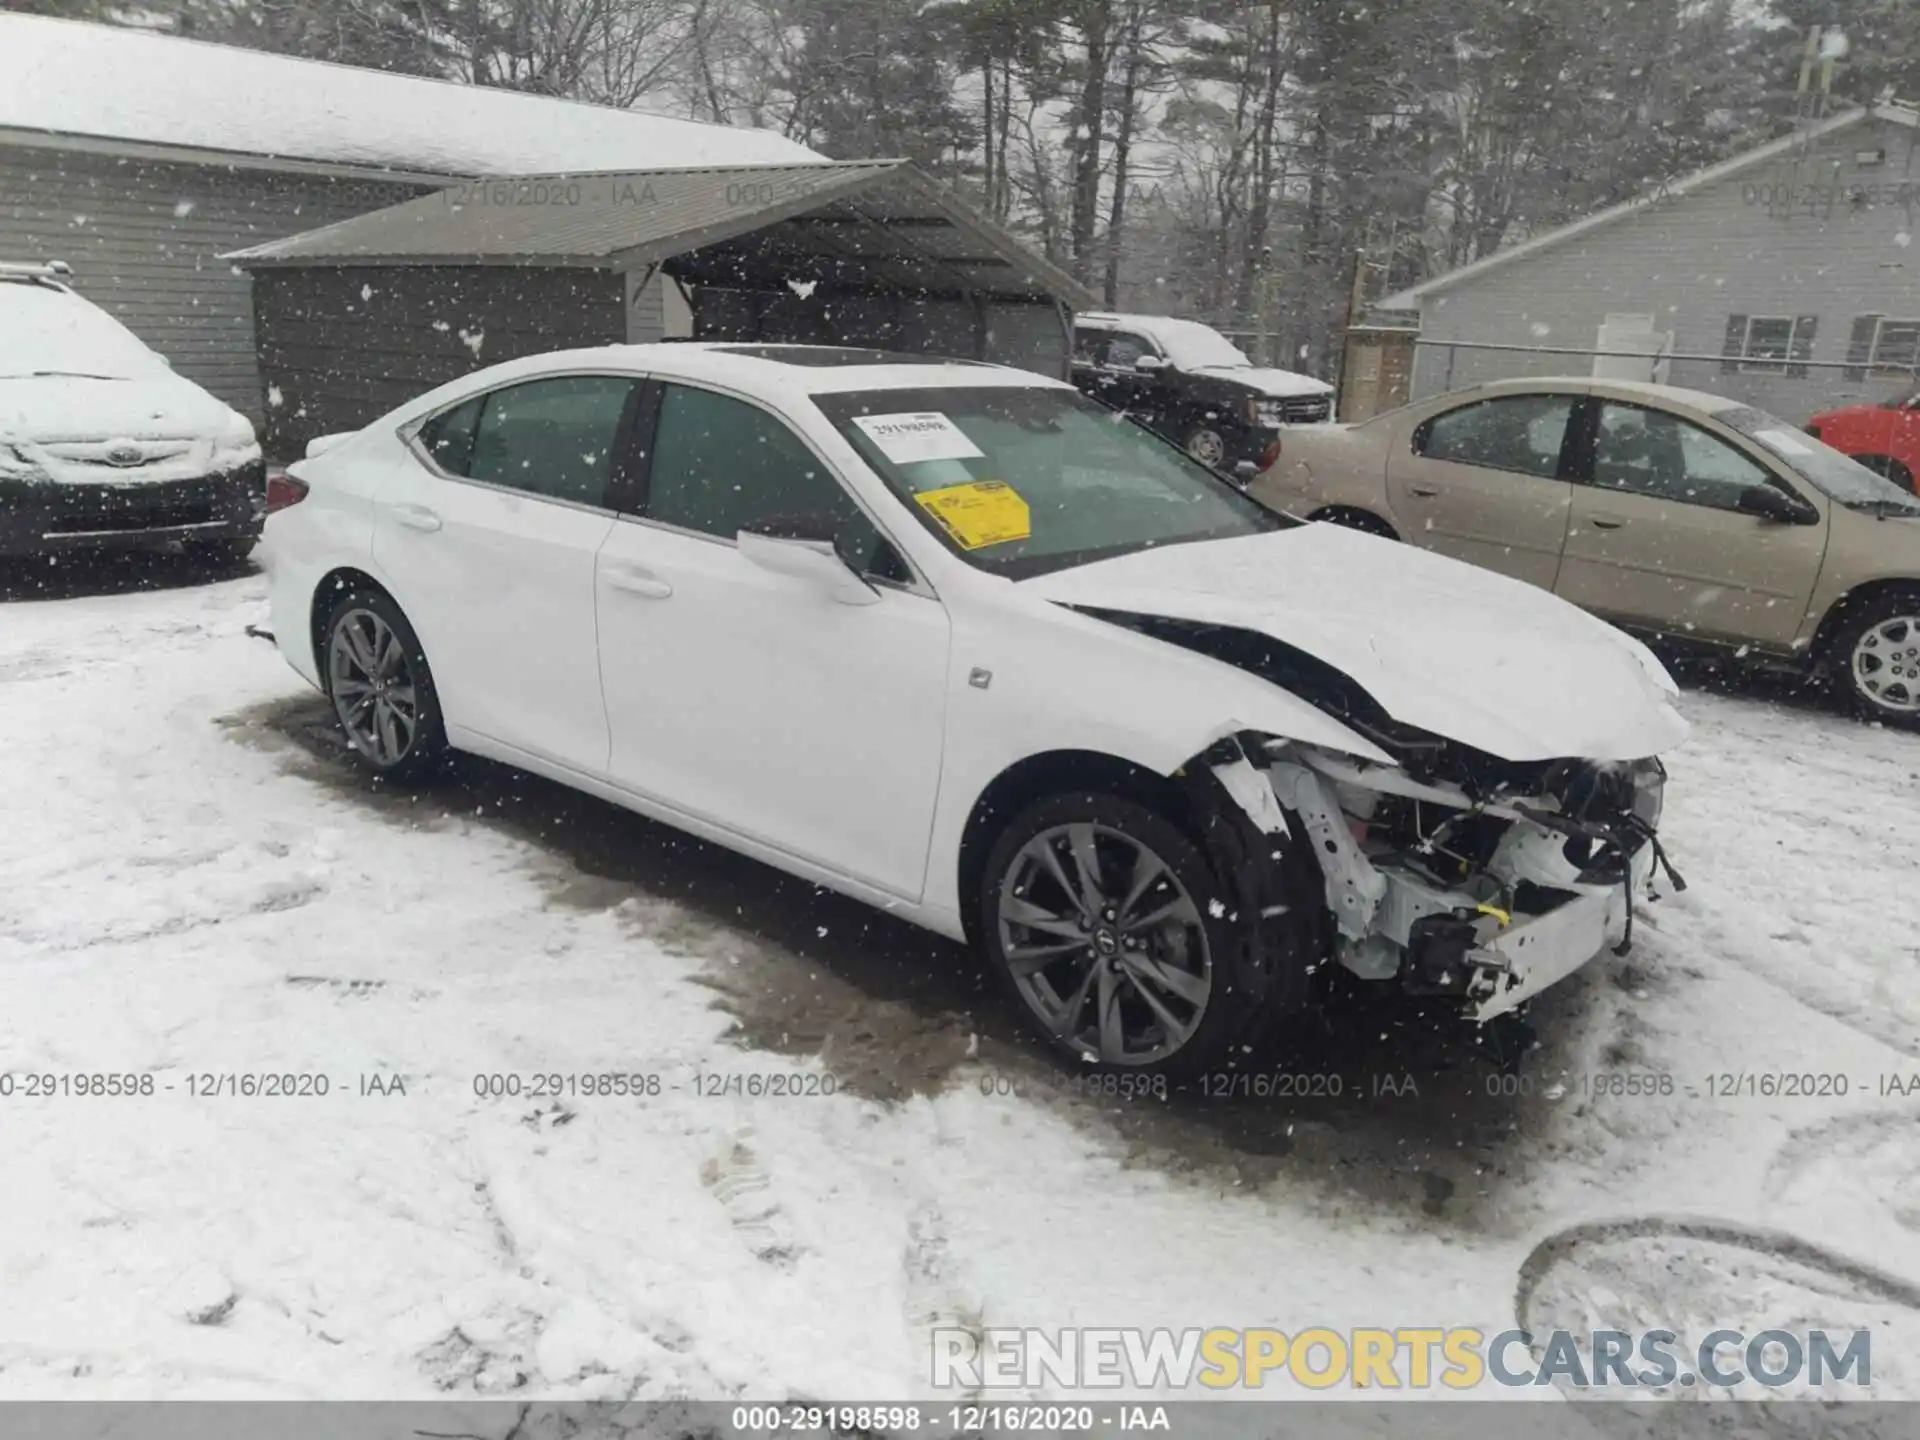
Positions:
{"x": 1270, "y": 456}
{"x": 283, "y": 490}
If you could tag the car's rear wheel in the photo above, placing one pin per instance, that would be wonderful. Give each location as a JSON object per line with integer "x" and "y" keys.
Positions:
{"x": 1877, "y": 656}
{"x": 1207, "y": 445}
{"x": 381, "y": 687}
{"x": 1891, "y": 468}
{"x": 1111, "y": 935}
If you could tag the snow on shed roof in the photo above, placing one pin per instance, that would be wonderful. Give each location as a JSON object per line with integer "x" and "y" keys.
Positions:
{"x": 1409, "y": 298}
{"x": 67, "y": 78}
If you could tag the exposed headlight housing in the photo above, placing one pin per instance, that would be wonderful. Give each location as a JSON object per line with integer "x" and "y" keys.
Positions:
{"x": 1265, "y": 411}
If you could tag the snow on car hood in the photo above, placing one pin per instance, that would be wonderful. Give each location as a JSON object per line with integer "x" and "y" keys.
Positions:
{"x": 162, "y": 406}
{"x": 1468, "y": 654}
{"x": 1284, "y": 384}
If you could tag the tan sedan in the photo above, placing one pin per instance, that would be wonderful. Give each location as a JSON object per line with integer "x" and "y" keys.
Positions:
{"x": 1668, "y": 511}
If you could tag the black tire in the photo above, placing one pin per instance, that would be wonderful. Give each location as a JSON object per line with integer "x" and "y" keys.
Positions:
{"x": 425, "y": 747}
{"x": 227, "y": 554}
{"x": 1365, "y": 521}
{"x": 1874, "y": 658}
{"x": 1891, "y": 468}
{"x": 1228, "y": 1018}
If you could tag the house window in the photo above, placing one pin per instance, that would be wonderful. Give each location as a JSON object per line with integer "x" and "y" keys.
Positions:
{"x": 1770, "y": 342}
{"x": 1896, "y": 346}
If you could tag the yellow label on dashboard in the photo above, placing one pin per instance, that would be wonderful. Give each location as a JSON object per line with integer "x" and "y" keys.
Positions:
{"x": 979, "y": 513}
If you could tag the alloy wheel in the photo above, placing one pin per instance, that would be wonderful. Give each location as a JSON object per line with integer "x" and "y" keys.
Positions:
{"x": 373, "y": 687}
{"x": 1886, "y": 664}
{"x": 1105, "y": 944}
{"x": 1207, "y": 447}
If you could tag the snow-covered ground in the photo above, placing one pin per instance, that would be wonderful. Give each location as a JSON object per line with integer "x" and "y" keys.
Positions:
{"x": 194, "y": 886}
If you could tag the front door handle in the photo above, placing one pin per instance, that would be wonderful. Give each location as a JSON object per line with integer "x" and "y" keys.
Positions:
{"x": 1603, "y": 522}
{"x": 639, "y": 582}
{"x": 416, "y": 517}
{"x": 1425, "y": 492}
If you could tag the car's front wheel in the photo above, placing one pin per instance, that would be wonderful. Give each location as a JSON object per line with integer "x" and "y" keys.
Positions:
{"x": 1878, "y": 658}
{"x": 1111, "y": 935}
{"x": 381, "y": 687}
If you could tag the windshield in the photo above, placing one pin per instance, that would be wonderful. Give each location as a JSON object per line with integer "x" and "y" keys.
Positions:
{"x": 1839, "y": 478}
{"x": 44, "y": 331}
{"x": 1193, "y": 346}
{"x": 1026, "y": 481}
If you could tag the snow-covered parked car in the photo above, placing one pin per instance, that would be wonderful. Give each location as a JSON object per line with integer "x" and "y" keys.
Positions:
{"x": 102, "y": 446}
{"x": 1195, "y": 386}
{"x": 953, "y": 639}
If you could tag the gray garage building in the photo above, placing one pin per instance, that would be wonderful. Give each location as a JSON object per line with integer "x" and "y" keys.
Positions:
{"x": 141, "y": 158}
{"x": 357, "y": 317}
{"x": 1787, "y": 277}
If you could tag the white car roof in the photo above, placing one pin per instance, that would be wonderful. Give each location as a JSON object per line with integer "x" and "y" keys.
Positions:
{"x": 808, "y": 369}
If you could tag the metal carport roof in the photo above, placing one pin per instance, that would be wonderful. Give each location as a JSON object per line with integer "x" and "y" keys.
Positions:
{"x": 858, "y": 223}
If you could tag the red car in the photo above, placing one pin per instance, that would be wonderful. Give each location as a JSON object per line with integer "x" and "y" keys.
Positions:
{"x": 1884, "y": 437}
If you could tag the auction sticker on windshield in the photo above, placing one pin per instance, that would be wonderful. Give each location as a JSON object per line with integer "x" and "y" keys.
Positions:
{"x": 979, "y": 513}
{"x": 909, "y": 439}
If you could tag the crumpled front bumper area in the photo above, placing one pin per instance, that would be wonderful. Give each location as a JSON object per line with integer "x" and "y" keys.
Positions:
{"x": 1491, "y": 930}
{"x": 38, "y": 516}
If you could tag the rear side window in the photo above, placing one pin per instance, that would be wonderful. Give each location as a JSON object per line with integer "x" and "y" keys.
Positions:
{"x": 554, "y": 438}
{"x": 448, "y": 437}
{"x": 1521, "y": 433}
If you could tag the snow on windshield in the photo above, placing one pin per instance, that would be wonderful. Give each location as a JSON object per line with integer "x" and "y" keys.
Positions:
{"x": 51, "y": 332}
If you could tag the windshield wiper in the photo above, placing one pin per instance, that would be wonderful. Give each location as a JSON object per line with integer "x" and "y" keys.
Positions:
{"x": 1883, "y": 508}
{"x": 70, "y": 375}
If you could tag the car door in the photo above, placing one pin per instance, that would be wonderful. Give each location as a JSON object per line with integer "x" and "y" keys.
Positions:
{"x": 1657, "y": 538}
{"x": 1124, "y": 384}
{"x": 488, "y": 538}
{"x": 755, "y": 700}
{"x": 1485, "y": 482}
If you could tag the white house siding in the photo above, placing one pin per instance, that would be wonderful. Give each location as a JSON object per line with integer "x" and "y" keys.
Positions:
{"x": 144, "y": 240}
{"x": 1694, "y": 261}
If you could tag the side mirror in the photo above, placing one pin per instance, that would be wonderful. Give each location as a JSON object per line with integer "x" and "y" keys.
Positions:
{"x": 803, "y": 546}
{"x": 1147, "y": 364}
{"x": 1768, "y": 503}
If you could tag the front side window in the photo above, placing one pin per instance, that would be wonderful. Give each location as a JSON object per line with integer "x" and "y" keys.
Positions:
{"x": 1658, "y": 454}
{"x": 1088, "y": 345}
{"x": 1520, "y": 433}
{"x": 1023, "y": 481}
{"x": 553, "y": 438}
{"x": 721, "y": 466}
{"x": 1124, "y": 347}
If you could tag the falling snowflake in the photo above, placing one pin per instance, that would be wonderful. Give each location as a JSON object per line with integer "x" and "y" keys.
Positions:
{"x": 182, "y": 209}
{"x": 274, "y": 397}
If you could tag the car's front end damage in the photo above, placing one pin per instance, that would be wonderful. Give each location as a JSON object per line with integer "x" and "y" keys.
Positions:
{"x": 1458, "y": 875}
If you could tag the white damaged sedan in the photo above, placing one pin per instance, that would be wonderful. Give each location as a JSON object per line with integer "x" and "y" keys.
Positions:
{"x": 949, "y": 638}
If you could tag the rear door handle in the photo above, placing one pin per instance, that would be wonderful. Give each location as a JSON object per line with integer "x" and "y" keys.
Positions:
{"x": 1602, "y": 522}
{"x": 638, "y": 582}
{"x": 416, "y": 517}
{"x": 1425, "y": 492}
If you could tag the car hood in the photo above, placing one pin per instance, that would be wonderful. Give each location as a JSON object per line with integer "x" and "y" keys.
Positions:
{"x": 45, "y": 409}
{"x": 1280, "y": 383}
{"x": 1464, "y": 653}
